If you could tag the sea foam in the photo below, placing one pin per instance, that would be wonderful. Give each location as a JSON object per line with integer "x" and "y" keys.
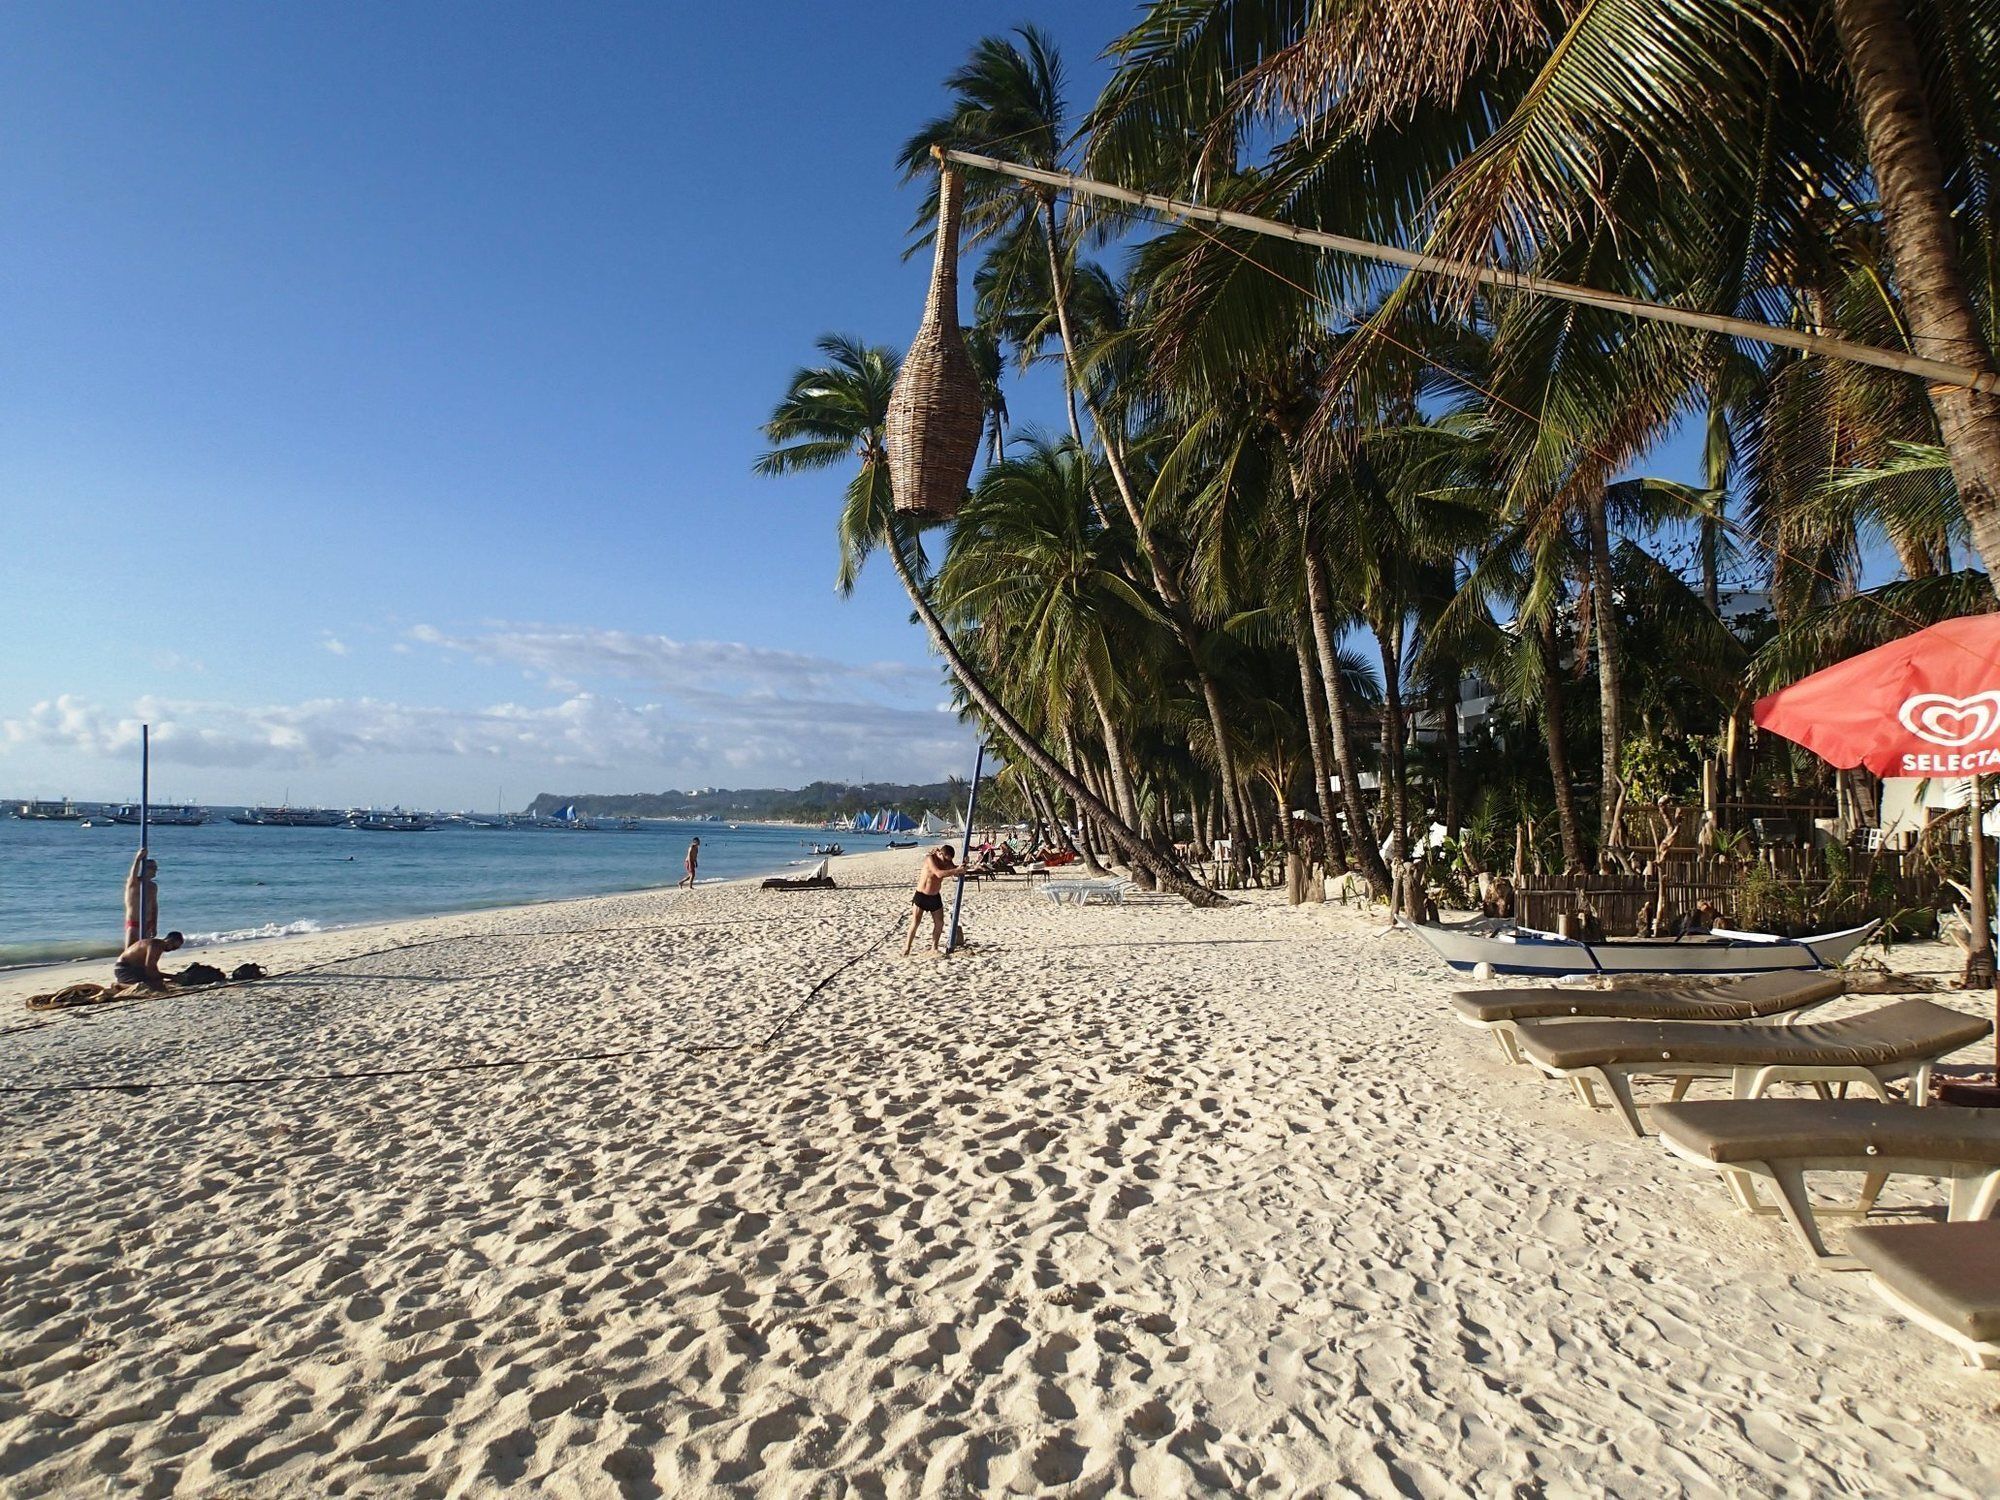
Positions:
{"x": 252, "y": 934}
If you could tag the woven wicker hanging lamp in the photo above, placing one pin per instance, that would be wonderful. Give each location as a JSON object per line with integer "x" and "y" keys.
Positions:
{"x": 936, "y": 414}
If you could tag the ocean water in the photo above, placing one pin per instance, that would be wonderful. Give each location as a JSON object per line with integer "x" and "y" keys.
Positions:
{"x": 62, "y": 885}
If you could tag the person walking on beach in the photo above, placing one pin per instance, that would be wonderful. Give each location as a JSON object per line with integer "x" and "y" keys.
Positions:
{"x": 140, "y": 962}
{"x": 693, "y": 859}
{"x": 937, "y": 868}
{"x": 142, "y": 898}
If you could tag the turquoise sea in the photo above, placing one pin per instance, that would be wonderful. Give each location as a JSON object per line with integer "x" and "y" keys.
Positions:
{"x": 62, "y": 885}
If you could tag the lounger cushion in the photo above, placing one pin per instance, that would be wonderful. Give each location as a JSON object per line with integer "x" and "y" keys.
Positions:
{"x": 1710, "y": 1000}
{"x": 1734, "y": 1130}
{"x": 1907, "y": 1030}
{"x": 1951, "y": 1271}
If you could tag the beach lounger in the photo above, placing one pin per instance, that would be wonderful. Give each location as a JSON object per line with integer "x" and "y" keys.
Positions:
{"x": 1780, "y": 1140}
{"x": 1900, "y": 1041}
{"x": 1944, "y": 1277}
{"x": 1083, "y": 892}
{"x": 1759, "y": 997}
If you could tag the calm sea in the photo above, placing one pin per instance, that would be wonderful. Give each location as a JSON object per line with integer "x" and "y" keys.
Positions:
{"x": 62, "y": 885}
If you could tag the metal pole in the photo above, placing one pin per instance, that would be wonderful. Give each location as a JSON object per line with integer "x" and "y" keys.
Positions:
{"x": 965, "y": 853}
{"x": 1937, "y": 371}
{"x": 145, "y": 780}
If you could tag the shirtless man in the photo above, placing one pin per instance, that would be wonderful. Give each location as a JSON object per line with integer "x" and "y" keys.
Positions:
{"x": 140, "y": 962}
{"x": 693, "y": 859}
{"x": 142, "y": 898}
{"x": 936, "y": 869}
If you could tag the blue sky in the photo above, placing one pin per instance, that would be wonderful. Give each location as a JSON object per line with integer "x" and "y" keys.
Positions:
{"x": 381, "y": 384}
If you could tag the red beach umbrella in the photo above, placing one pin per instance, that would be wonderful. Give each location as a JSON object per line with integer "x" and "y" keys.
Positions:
{"x": 1925, "y": 705}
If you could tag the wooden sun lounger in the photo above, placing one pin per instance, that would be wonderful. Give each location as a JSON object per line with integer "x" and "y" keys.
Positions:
{"x": 1900, "y": 1041}
{"x": 1777, "y": 996}
{"x": 1943, "y": 1277}
{"x": 1780, "y": 1140}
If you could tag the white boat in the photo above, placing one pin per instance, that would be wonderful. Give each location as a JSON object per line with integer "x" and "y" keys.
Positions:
{"x": 1507, "y": 949}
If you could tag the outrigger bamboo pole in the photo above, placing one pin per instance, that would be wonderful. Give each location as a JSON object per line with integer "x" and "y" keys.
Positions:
{"x": 1937, "y": 371}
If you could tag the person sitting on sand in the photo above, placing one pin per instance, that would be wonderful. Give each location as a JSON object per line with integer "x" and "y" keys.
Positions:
{"x": 140, "y": 962}
{"x": 142, "y": 898}
{"x": 693, "y": 859}
{"x": 936, "y": 869}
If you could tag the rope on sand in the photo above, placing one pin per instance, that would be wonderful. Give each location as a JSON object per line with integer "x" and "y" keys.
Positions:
{"x": 778, "y": 1029}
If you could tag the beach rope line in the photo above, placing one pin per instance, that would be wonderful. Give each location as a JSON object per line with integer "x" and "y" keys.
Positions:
{"x": 778, "y": 1028}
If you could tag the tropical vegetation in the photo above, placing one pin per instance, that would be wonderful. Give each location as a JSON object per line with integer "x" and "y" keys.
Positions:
{"x": 1326, "y": 557}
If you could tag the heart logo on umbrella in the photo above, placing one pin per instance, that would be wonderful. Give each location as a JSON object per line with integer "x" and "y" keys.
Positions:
{"x": 1951, "y": 722}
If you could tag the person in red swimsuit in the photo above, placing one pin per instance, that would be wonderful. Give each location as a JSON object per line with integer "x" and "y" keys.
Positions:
{"x": 142, "y": 899}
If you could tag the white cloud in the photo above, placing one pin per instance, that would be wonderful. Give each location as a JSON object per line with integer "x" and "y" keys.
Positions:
{"x": 563, "y": 657}
{"x": 631, "y": 746}
{"x": 713, "y": 712}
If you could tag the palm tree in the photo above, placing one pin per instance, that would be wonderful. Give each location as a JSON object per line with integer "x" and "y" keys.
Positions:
{"x": 1008, "y": 102}
{"x": 1717, "y": 143}
{"x": 835, "y": 413}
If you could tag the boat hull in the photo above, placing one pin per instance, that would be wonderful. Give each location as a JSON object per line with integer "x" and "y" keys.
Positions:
{"x": 1526, "y": 951}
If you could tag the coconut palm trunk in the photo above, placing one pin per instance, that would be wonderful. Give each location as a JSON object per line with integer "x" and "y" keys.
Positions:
{"x": 1610, "y": 670}
{"x": 1556, "y": 739}
{"x": 1362, "y": 844}
{"x": 1394, "y": 761}
{"x": 1121, "y": 769}
{"x": 1164, "y": 583}
{"x": 1124, "y": 838}
{"x": 1315, "y": 710}
{"x": 1887, "y": 74}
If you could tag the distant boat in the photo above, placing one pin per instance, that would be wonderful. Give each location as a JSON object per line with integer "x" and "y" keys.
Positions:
{"x": 393, "y": 822}
{"x": 186, "y": 816}
{"x": 49, "y": 812}
{"x": 288, "y": 817}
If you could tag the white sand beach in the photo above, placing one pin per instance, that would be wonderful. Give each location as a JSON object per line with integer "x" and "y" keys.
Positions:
{"x": 720, "y": 1194}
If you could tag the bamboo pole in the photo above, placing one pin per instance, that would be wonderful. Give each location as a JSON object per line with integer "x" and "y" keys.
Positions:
{"x": 1937, "y": 371}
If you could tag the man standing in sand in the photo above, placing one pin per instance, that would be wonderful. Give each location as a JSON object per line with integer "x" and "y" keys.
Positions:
{"x": 693, "y": 859}
{"x": 140, "y": 962}
{"x": 142, "y": 898}
{"x": 936, "y": 869}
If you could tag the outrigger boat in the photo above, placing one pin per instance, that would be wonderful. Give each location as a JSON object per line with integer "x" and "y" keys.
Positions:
{"x": 1507, "y": 949}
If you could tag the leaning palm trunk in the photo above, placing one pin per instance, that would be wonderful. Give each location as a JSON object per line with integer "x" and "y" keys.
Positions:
{"x": 1882, "y": 61}
{"x": 1362, "y": 844}
{"x": 1610, "y": 672}
{"x": 1141, "y": 855}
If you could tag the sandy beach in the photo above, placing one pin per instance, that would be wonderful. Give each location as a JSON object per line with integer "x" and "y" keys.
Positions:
{"x": 719, "y": 1193}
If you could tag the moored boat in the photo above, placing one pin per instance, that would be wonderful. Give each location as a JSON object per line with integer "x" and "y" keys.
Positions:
{"x": 64, "y": 811}
{"x": 1506, "y": 949}
{"x": 289, "y": 817}
{"x": 187, "y": 816}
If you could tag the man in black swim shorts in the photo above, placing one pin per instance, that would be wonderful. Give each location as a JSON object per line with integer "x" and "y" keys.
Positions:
{"x": 140, "y": 962}
{"x": 936, "y": 869}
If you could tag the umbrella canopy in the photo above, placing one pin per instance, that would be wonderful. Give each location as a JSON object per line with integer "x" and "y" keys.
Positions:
{"x": 1925, "y": 705}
